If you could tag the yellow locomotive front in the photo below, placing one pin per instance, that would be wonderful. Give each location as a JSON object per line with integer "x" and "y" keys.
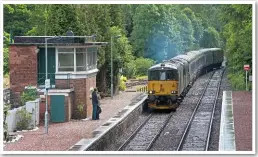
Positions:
{"x": 162, "y": 87}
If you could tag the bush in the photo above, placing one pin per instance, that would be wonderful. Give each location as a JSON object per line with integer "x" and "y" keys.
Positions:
{"x": 28, "y": 95}
{"x": 130, "y": 69}
{"x": 122, "y": 85}
{"x": 123, "y": 78}
{"x": 138, "y": 67}
{"x": 24, "y": 119}
{"x": 142, "y": 65}
{"x": 80, "y": 108}
{"x": 237, "y": 81}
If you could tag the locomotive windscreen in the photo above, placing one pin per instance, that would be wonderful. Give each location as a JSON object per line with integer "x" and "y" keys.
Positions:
{"x": 163, "y": 75}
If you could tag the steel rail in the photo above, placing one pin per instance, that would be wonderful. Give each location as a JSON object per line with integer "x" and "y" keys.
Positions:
{"x": 157, "y": 135}
{"x": 192, "y": 116}
{"x": 134, "y": 133}
{"x": 213, "y": 111}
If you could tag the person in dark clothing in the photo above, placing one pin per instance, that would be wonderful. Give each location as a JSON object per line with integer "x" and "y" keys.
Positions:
{"x": 95, "y": 102}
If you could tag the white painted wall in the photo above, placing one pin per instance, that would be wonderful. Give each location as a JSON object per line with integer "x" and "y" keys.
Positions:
{"x": 32, "y": 107}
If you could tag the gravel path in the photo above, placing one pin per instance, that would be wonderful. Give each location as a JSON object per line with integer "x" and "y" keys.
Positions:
{"x": 64, "y": 135}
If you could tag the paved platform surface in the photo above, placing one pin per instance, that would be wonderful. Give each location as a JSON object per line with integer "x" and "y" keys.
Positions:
{"x": 236, "y": 121}
{"x": 64, "y": 135}
{"x": 242, "y": 110}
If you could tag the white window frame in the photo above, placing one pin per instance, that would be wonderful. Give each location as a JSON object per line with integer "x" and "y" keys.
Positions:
{"x": 57, "y": 59}
{"x": 74, "y": 69}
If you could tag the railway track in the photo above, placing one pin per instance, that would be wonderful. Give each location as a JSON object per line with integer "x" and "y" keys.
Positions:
{"x": 146, "y": 134}
{"x": 196, "y": 135}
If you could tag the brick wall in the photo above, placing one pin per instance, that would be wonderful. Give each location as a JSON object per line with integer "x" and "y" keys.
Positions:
{"x": 42, "y": 109}
{"x": 23, "y": 67}
{"x": 68, "y": 107}
{"x": 81, "y": 94}
{"x": 90, "y": 82}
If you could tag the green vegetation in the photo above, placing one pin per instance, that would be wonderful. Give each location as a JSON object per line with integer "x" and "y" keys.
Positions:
{"x": 149, "y": 33}
{"x": 29, "y": 94}
{"x": 122, "y": 85}
{"x": 24, "y": 120}
{"x": 142, "y": 65}
{"x": 142, "y": 77}
{"x": 237, "y": 33}
{"x": 80, "y": 108}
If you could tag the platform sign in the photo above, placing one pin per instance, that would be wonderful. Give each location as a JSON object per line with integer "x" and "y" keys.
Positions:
{"x": 246, "y": 67}
{"x": 47, "y": 83}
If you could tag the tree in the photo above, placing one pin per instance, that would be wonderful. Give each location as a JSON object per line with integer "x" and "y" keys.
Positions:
{"x": 197, "y": 26}
{"x": 150, "y": 31}
{"x": 210, "y": 38}
{"x": 38, "y": 19}
{"x": 61, "y": 18}
{"x": 155, "y": 28}
{"x": 128, "y": 13}
{"x": 237, "y": 32}
{"x": 16, "y": 19}
{"x": 186, "y": 31}
{"x": 122, "y": 53}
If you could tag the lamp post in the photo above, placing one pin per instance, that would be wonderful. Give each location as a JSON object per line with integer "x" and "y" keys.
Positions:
{"x": 118, "y": 36}
{"x": 47, "y": 85}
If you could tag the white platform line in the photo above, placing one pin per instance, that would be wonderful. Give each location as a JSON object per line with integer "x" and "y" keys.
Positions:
{"x": 227, "y": 131}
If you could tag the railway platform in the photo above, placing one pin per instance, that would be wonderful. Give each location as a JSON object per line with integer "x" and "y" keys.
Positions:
{"x": 236, "y": 121}
{"x": 63, "y": 136}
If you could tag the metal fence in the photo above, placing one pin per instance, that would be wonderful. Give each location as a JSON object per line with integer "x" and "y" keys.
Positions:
{"x": 63, "y": 82}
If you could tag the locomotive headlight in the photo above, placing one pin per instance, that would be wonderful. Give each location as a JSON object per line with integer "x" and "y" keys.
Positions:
{"x": 173, "y": 92}
{"x": 151, "y": 92}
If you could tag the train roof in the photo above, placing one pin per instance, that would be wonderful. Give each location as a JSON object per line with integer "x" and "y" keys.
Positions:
{"x": 176, "y": 62}
{"x": 210, "y": 49}
{"x": 189, "y": 56}
{"x": 165, "y": 65}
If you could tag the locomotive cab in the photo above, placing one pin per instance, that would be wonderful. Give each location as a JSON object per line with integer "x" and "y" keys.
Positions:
{"x": 163, "y": 87}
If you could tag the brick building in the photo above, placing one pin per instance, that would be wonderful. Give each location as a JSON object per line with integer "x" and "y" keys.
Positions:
{"x": 71, "y": 68}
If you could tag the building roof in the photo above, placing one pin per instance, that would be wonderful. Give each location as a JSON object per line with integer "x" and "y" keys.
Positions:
{"x": 61, "y": 41}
